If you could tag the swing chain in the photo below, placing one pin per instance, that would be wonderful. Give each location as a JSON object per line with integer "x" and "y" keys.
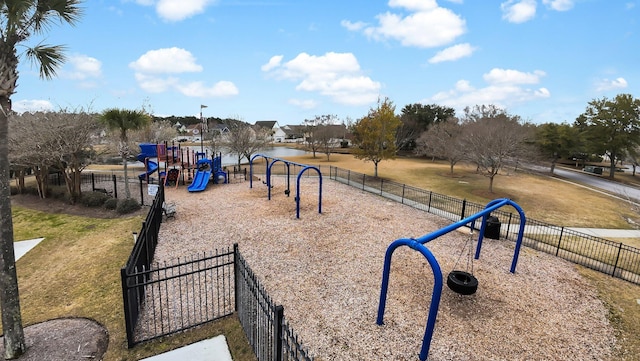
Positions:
{"x": 469, "y": 252}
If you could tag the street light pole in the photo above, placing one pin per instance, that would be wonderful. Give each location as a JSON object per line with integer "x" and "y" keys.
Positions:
{"x": 202, "y": 130}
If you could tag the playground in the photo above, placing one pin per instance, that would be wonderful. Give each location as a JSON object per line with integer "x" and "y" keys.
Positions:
{"x": 326, "y": 270}
{"x": 173, "y": 165}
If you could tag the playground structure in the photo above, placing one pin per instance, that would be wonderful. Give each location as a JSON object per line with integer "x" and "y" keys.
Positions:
{"x": 418, "y": 245}
{"x": 287, "y": 191}
{"x": 176, "y": 165}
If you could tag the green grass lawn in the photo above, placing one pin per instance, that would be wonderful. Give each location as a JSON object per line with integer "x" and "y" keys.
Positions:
{"x": 75, "y": 271}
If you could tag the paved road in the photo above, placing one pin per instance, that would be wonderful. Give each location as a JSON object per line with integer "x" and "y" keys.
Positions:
{"x": 621, "y": 190}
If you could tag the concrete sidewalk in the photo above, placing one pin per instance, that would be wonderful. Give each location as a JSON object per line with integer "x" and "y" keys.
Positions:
{"x": 213, "y": 349}
{"x": 22, "y": 247}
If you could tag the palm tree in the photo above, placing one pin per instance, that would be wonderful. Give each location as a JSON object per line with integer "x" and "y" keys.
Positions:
{"x": 121, "y": 120}
{"x": 19, "y": 20}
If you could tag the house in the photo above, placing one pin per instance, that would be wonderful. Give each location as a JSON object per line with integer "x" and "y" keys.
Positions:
{"x": 294, "y": 133}
{"x": 194, "y": 131}
{"x": 277, "y": 135}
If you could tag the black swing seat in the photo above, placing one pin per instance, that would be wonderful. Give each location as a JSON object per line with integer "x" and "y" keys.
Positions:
{"x": 462, "y": 282}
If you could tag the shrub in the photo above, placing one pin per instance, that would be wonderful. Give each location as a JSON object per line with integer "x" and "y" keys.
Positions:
{"x": 127, "y": 206}
{"x": 94, "y": 199}
{"x": 111, "y": 203}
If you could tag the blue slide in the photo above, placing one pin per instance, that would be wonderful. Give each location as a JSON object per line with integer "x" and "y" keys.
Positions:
{"x": 200, "y": 181}
{"x": 201, "y": 178}
{"x": 151, "y": 166}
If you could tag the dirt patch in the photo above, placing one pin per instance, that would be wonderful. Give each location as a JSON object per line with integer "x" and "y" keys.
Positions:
{"x": 69, "y": 339}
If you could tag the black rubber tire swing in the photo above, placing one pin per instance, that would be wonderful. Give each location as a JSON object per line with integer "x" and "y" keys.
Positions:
{"x": 462, "y": 282}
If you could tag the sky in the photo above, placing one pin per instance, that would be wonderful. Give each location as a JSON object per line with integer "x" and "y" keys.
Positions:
{"x": 291, "y": 60}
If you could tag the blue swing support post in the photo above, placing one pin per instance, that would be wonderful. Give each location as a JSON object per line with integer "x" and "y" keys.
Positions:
{"x": 287, "y": 163}
{"x": 418, "y": 244}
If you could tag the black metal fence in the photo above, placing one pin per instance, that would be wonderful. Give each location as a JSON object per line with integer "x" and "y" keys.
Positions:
{"x": 164, "y": 299}
{"x": 613, "y": 258}
{"x": 114, "y": 185}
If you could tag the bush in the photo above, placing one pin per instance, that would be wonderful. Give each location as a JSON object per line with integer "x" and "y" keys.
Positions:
{"x": 94, "y": 199}
{"x": 127, "y": 206}
{"x": 111, "y": 204}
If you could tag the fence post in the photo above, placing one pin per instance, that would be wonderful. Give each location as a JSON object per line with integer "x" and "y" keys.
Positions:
{"x": 464, "y": 208}
{"x": 381, "y": 185}
{"x": 615, "y": 266}
{"x": 559, "y": 240}
{"x": 349, "y": 177}
{"x": 141, "y": 194}
{"x": 115, "y": 186}
{"x": 508, "y": 226}
{"x": 402, "y": 199}
{"x": 364, "y": 180}
{"x": 127, "y": 312}
{"x": 93, "y": 182}
{"x": 429, "y": 206}
{"x": 236, "y": 278}
{"x": 277, "y": 333}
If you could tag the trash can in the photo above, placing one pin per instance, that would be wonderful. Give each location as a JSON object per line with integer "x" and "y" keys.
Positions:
{"x": 492, "y": 228}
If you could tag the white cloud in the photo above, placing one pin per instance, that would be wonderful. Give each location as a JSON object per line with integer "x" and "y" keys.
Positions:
{"x": 607, "y": 84}
{"x": 559, "y": 5}
{"x": 82, "y": 68}
{"x": 151, "y": 67}
{"x": 168, "y": 60}
{"x": 357, "y": 26}
{"x": 429, "y": 25}
{"x": 504, "y": 88}
{"x": 518, "y": 11}
{"x": 35, "y": 105}
{"x": 274, "y": 62}
{"x": 304, "y": 103}
{"x": 154, "y": 84}
{"x": 509, "y": 76}
{"x": 199, "y": 89}
{"x": 453, "y": 53}
{"x": 414, "y": 5}
{"x": 177, "y": 10}
{"x": 335, "y": 75}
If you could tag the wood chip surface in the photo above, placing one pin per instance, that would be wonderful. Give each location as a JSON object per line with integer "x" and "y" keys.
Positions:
{"x": 326, "y": 270}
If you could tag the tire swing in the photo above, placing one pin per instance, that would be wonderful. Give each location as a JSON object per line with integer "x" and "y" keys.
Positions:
{"x": 463, "y": 282}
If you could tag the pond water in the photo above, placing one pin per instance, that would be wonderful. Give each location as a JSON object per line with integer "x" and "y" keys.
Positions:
{"x": 276, "y": 152}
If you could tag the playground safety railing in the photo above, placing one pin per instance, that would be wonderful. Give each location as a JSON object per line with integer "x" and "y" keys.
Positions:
{"x": 160, "y": 300}
{"x": 613, "y": 258}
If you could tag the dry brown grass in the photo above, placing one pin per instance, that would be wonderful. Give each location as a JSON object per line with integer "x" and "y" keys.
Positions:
{"x": 543, "y": 198}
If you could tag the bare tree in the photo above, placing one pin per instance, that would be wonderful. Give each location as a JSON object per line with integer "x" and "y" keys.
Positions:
{"x": 244, "y": 140}
{"x": 53, "y": 140}
{"x": 31, "y": 140}
{"x": 443, "y": 140}
{"x": 493, "y": 137}
{"x": 321, "y": 132}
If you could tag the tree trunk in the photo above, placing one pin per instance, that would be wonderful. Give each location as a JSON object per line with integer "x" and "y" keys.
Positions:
{"x": 451, "y": 164}
{"x": 612, "y": 162}
{"x": 553, "y": 165}
{"x": 375, "y": 169}
{"x": 491, "y": 184}
{"x": 14, "y": 343}
{"x": 127, "y": 192}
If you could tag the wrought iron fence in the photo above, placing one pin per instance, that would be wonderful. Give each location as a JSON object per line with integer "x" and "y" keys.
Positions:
{"x": 612, "y": 258}
{"x": 160, "y": 300}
